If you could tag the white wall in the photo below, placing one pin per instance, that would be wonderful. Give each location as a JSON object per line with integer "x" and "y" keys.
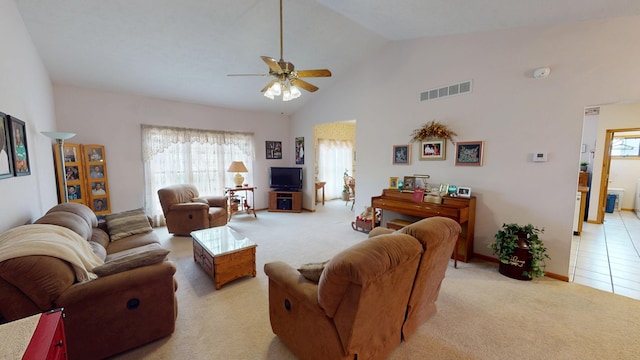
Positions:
{"x": 511, "y": 111}
{"x": 25, "y": 93}
{"x": 114, "y": 119}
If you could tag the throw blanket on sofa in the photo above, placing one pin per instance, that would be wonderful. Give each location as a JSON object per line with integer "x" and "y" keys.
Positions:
{"x": 50, "y": 240}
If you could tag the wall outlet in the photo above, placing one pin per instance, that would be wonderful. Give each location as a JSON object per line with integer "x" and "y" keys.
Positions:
{"x": 539, "y": 157}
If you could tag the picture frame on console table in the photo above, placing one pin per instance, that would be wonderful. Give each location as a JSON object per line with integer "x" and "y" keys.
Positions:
{"x": 463, "y": 192}
{"x": 6, "y": 159}
{"x": 19, "y": 148}
{"x": 393, "y": 182}
{"x": 408, "y": 183}
{"x": 469, "y": 153}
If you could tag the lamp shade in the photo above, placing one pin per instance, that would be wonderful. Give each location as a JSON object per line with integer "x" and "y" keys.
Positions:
{"x": 237, "y": 166}
{"x": 58, "y": 135}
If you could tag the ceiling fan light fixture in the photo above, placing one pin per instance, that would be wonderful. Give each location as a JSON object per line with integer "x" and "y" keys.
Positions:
{"x": 295, "y": 92}
{"x": 268, "y": 94}
{"x": 276, "y": 89}
{"x": 286, "y": 95}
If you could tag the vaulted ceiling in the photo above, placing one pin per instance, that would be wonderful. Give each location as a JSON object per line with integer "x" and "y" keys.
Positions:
{"x": 183, "y": 50}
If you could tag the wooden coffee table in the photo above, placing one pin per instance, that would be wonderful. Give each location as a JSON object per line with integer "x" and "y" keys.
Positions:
{"x": 224, "y": 254}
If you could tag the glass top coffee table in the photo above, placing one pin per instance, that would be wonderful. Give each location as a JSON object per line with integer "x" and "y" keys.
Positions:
{"x": 224, "y": 254}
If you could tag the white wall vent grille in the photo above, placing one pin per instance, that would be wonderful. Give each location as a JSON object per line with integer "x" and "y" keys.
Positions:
{"x": 445, "y": 91}
{"x": 592, "y": 111}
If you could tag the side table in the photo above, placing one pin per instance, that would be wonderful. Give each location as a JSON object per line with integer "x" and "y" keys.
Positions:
{"x": 320, "y": 185}
{"x": 243, "y": 206}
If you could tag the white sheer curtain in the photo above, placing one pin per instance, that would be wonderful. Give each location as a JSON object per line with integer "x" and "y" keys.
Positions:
{"x": 191, "y": 156}
{"x": 334, "y": 157}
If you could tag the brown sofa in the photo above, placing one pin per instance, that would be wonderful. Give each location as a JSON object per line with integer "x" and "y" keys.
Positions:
{"x": 103, "y": 316}
{"x": 185, "y": 210}
{"x": 369, "y": 296}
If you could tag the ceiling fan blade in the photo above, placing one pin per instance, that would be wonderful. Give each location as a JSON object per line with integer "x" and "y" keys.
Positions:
{"x": 272, "y": 63}
{"x": 314, "y": 73}
{"x": 268, "y": 85}
{"x": 247, "y": 74}
{"x": 303, "y": 84}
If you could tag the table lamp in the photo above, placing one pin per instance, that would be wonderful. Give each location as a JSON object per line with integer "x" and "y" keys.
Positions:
{"x": 238, "y": 167}
{"x": 60, "y": 137}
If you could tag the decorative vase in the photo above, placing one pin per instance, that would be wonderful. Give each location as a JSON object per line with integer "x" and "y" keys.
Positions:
{"x": 519, "y": 261}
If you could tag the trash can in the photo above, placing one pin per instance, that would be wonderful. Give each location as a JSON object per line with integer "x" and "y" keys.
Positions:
{"x": 611, "y": 203}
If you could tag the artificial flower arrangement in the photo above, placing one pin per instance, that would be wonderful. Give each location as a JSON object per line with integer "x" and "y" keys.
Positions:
{"x": 432, "y": 129}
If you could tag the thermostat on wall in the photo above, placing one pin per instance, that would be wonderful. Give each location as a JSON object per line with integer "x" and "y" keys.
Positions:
{"x": 539, "y": 157}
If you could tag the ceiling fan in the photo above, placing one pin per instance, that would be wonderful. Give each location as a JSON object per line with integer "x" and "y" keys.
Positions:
{"x": 287, "y": 80}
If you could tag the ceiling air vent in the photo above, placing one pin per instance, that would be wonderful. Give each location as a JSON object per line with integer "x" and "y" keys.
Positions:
{"x": 445, "y": 91}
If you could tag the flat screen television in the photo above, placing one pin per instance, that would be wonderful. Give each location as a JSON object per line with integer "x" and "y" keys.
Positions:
{"x": 285, "y": 178}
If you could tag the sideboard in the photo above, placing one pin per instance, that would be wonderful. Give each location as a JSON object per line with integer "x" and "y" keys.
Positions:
{"x": 462, "y": 210}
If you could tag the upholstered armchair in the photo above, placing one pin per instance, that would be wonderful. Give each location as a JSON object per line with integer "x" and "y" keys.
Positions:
{"x": 185, "y": 210}
{"x": 438, "y": 236}
{"x": 356, "y": 310}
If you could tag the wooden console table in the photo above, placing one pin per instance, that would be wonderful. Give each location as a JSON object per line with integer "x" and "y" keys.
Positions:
{"x": 462, "y": 210}
{"x": 234, "y": 208}
{"x": 320, "y": 185}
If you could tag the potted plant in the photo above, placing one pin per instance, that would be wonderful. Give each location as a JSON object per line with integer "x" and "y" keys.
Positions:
{"x": 584, "y": 166}
{"x": 520, "y": 251}
{"x": 345, "y": 187}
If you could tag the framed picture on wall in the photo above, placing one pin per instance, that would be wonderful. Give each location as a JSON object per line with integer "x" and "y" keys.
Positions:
{"x": 401, "y": 154}
{"x": 6, "y": 159}
{"x": 469, "y": 153}
{"x": 432, "y": 149}
{"x": 274, "y": 149}
{"x": 19, "y": 148}
{"x": 300, "y": 150}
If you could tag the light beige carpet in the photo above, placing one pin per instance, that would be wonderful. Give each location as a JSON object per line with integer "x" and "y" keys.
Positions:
{"x": 481, "y": 314}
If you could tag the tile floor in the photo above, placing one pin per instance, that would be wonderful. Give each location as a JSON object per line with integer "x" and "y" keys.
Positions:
{"x": 607, "y": 257}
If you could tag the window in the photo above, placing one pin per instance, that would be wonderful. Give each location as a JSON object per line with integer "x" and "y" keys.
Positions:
{"x": 190, "y": 156}
{"x": 626, "y": 147}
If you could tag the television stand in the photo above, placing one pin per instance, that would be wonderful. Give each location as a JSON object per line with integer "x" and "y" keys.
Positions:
{"x": 285, "y": 201}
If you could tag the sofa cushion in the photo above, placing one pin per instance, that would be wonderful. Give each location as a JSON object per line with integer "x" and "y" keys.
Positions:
{"x": 127, "y": 223}
{"x": 130, "y": 259}
{"x": 43, "y": 278}
{"x": 98, "y": 250}
{"x": 312, "y": 271}
{"x": 68, "y": 220}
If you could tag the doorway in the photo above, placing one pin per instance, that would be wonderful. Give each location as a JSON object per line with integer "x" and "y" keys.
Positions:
{"x": 335, "y": 155}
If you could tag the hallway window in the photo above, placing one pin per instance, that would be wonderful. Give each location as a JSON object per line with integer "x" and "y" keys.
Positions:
{"x": 334, "y": 157}
{"x": 625, "y": 147}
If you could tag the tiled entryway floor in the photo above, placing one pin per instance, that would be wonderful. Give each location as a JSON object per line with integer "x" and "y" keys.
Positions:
{"x": 607, "y": 257}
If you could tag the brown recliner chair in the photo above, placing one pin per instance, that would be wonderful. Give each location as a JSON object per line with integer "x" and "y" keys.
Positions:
{"x": 185, "y": 210}
{"x": 356, "y": 310}
{"x": 438, "y": 236}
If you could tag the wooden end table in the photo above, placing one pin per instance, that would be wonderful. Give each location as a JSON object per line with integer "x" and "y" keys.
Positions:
{"x": 224, "y": 254}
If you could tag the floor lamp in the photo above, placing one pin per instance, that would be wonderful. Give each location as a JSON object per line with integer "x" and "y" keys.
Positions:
{"x": 60, "y": 137}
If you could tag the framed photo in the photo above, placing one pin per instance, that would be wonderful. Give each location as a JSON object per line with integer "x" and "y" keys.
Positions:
{"x": 274, "y": 149}
{"x": 433, "y": 149}
{"x": 401, "y": 154}
{"x": 469, "y": 153}
{"x": 464, "y": 192}
{"x": 70, "y": 154}
{"x": 98, "y": 188}
{"x": 97, "y": 172}
{"x": 443, "y": 189}
{"x": 409, "y": 183}
{"x": 74, "y": 192}
{"x": 300, "y": 150}
{"x": 100, "y": 205}
{"x": 94, "y": 154}
{"x": 421, "y": 182}
{"x": 393, "y": 182}
{"x": 6, "y": 159}
{"x": 71, "y": 173}
{"x": 19, "y": 148}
